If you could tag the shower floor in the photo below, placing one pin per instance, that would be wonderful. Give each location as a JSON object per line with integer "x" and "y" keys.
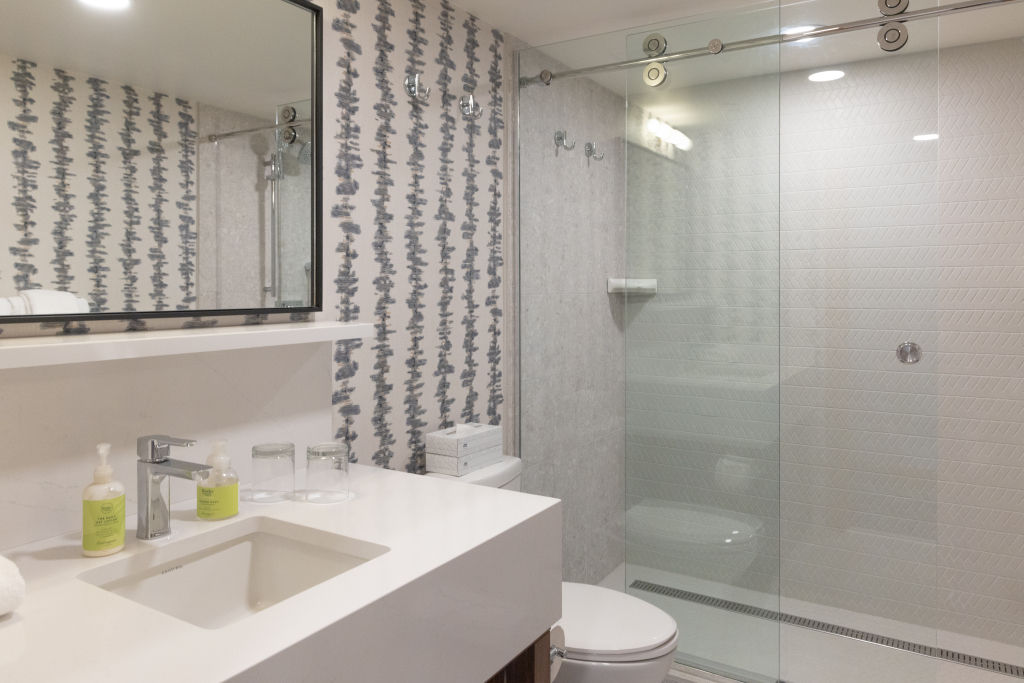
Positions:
{"x": 709, "y": 635}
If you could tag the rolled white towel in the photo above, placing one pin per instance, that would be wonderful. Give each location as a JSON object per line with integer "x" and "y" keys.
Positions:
{"x": 12, "y": 586}
{"x": 49, "y": 302}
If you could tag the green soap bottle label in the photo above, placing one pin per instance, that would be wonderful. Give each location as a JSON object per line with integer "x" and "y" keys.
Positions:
{"x": 103, "y": 523}
{"x": 217, "y": 502}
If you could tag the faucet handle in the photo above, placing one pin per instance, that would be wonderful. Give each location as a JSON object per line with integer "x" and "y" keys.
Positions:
{"x": 157, "y": 447}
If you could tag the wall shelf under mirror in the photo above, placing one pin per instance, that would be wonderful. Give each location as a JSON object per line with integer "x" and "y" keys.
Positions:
{"x": 27, "y": 352}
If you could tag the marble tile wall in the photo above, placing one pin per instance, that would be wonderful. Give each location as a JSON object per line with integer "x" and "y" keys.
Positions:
{"x": 572, "y": 238}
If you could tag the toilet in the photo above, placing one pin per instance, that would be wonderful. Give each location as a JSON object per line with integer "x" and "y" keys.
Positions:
{"x": 610, "y": 637}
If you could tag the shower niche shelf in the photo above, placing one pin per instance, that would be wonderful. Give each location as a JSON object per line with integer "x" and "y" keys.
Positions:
{"x": 27, "y": 352}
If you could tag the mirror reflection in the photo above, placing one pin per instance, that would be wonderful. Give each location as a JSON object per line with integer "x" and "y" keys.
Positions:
{"x": 159, "y": 156}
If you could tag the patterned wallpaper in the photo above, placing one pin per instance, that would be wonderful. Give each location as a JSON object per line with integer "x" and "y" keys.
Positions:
{"x": 414, "y": 223}
{"x": 102, "y": 182}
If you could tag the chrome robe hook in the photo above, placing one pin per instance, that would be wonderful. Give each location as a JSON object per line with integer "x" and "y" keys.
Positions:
{"x": 562, "y": 142}
{"x": 471, "y": 109}
{"x": 590, "y": 150}
{"x": 414, "y": 86}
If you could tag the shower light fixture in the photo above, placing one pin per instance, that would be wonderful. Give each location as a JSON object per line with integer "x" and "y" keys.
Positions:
{"x": 924, "y": 137}
{"x": 109, "y": 5}
{"x": 669, "y": 134}
{"x": 823, "y": 76}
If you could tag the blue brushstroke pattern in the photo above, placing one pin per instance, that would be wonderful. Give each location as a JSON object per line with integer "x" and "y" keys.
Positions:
{"x": 25, "y": 174}
{"x": 415, "y": 359}
{"x": 384, "y": 281}
{"x": 96, "y": 119}
{"x": 158, "y": 121}
{"x": 347, "y": 162}
{"x": 445, "y": 218}
{"x": 130, "y": 195}
{"x": 62, "y": 161}
{"x": 495, "y": 126}
{"x": 186, "y": 204}
{"x": 470, "y": 272}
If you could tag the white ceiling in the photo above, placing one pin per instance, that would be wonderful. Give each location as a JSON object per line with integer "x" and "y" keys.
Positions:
{"x": 241, "y": 55}
{"x": 729, "y": 20}
{"x": 539, "y": 22}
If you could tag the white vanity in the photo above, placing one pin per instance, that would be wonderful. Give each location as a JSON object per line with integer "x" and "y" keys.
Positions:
{"x": 414, "y": 579}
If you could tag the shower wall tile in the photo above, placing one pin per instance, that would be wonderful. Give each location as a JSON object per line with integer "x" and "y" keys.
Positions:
{"x": 572, "y": 239}
{"x": 909, "y": 474}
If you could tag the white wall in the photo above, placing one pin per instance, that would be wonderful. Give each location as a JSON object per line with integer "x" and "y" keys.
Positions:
{"x": 51, "y": 419}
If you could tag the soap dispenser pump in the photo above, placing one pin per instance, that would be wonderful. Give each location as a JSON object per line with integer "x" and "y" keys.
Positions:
{"x": 103, "y": 509}
{"x": 217, "y": 488}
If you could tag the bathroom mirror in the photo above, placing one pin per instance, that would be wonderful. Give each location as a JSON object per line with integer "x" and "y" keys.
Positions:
{"x": 159, "y": 158}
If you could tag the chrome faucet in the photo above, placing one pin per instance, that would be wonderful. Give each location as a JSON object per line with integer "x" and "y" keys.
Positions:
{"x": 155, "y": 465}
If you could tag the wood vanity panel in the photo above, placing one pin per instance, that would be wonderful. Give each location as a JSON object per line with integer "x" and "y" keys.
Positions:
{"x": 533, "y": 665}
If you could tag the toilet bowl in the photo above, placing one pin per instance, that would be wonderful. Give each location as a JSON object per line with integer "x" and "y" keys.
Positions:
{"x": 610, "y": 637}
{"x": 695, "y": 540}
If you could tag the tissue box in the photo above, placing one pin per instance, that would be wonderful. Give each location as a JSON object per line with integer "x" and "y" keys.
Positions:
{"x": 458, "y": 465}
{"x": 464, "y": 439}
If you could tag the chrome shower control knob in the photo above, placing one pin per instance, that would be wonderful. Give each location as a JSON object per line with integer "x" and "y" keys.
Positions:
{"x": 908, "y": 352}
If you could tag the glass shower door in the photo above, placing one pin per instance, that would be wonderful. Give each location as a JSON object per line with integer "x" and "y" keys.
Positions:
{"x": 859, "y": 209}
{"x": 702, "y": 353}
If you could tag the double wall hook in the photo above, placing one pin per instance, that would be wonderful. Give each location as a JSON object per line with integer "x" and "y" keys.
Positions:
{"x": 562, "y": 142}
{"x": 590, "y": 150}
{"x": 414, "y": 86}
{"x": 471, "y": 109}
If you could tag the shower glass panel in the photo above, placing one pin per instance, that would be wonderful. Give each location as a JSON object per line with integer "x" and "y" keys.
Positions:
{"x": 292, "y": 211}
{"x": 860, "y": 212}
{"x": 257, "y": 173}
{"x": 702, "y": 354}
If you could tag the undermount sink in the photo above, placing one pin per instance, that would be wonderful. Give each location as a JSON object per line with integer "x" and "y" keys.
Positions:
{"x": 216, "y": 578}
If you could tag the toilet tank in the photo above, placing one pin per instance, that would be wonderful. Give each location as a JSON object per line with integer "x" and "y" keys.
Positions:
{"x": 504, "y": 474}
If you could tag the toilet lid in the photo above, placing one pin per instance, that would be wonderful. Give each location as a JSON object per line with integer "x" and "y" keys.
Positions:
{"x": 602, "y": 621}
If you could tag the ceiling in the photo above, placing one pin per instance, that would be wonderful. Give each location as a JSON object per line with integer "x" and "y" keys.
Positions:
{"x": 755, "y": 19}
{"x": 241, "y": 55}
{"x": 539, "y": 22}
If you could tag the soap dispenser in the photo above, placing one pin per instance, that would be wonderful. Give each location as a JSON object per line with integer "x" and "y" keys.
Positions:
{"x": 103, "y": 510}
{"x": 217, "y": 489}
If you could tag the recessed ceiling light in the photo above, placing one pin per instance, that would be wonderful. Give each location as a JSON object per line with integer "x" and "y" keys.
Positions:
{"x": 822, "y": 76}
{"x": 924, "y": 137}
{"x": 109, "y": 5}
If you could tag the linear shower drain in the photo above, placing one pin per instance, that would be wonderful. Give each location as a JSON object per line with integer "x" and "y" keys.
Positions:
{"x": 815, "y": 625}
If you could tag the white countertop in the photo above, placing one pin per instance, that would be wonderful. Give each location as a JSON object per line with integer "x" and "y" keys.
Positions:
{"x": 483, "y": 564}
